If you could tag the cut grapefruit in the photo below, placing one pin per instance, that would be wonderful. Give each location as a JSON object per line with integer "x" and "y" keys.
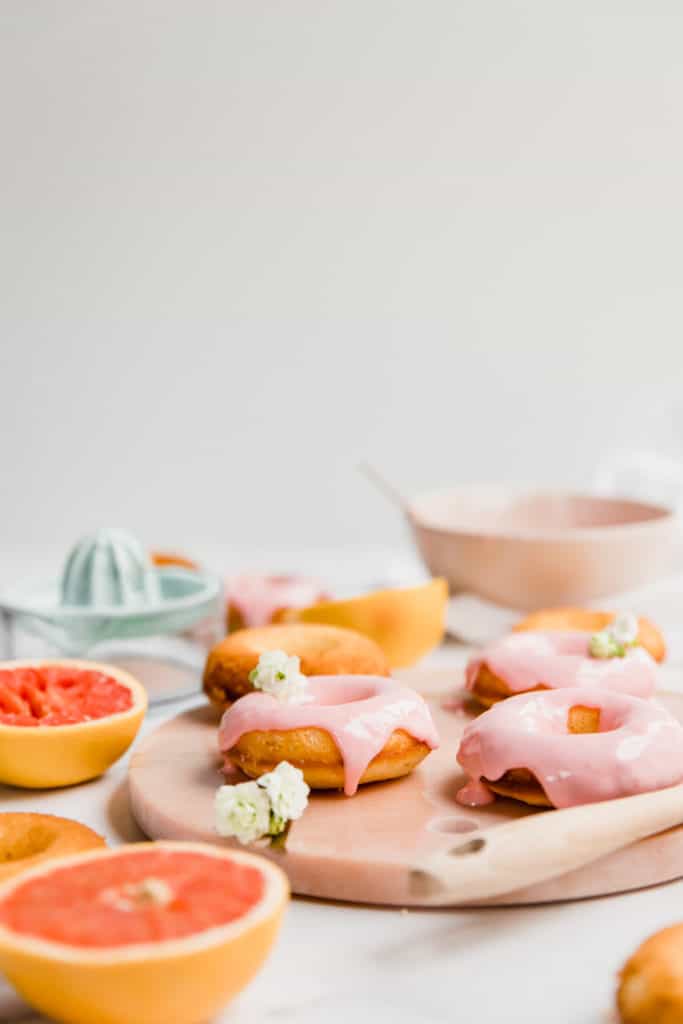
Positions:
{"x": 152, "y": 933}
{"x": 589, "y": 621}
{"x": 405, "y": 622}
{"x": 29, "y": 839}
{"x": 63, "y": 722}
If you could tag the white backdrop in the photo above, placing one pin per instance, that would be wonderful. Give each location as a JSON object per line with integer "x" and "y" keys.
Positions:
{"x": 245, "y": 244}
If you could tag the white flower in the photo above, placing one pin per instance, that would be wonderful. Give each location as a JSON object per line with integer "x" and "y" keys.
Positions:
{"x": 251, "y": 810}
{"x": 615, "y": 639}
{"x": 602, "y": 645}
{"x": 287, "y": 793}
{"x": 624, "y": 629}
{"x": 242, "y": 811}
{"x": 280, "y": 675}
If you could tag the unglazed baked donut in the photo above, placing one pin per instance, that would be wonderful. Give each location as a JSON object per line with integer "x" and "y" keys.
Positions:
{"x": 561, "y": 748}
{"x": 350, "y": 730}
{"x": 255, "y": 600}
{"x": 651, "y": 982}
{"x": 527, "y": 661}
{"x": 27, "y": 839}
{"x": 323, "y": 650}
{"x": 587, "y": 621}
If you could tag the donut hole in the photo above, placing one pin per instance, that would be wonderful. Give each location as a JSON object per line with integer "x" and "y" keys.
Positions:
{"x": 582, "y": 719}
{"x": 19, "y": 846}
{"x": 334, "y": 693}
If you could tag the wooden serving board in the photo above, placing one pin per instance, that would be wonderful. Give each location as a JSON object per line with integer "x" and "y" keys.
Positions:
{"x": 369, "y": 848}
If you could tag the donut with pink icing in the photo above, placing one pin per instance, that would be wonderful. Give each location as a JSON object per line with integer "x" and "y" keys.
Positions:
{"x": 346, "y": 731}
{"x": 258, "y": 600}
{"x": 555, "y": 660}
{"x": 571, "y": 746}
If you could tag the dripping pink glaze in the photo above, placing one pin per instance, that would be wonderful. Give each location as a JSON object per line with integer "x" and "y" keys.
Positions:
{"x": 475, "y": 793}
{"x": 560, "y": 659}
{"x": 359, "y": 712}
{"x": 257, "y": 598}
{"x": 639, "y": 747}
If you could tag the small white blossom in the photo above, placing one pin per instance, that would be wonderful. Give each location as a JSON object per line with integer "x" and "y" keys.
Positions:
{"x": 280, "y": 675}
{"x": 242, "y": 811}
{"x": 251, "y": 810}
{"x": 624, "y": 629}
{"x": 287, "y": 793}
{"x": 615, "y": 639}
{"x": 602, "y": 645}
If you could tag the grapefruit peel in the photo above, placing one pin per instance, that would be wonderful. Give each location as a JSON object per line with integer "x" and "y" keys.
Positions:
{"x": 169, "y": 981}
{"x": 50, "y": 756}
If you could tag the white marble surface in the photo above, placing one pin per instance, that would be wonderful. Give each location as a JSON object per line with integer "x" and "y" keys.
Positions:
{"x": 334, "y": 963}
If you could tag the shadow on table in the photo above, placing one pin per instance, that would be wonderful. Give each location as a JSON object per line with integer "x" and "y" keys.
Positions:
{"x": 121, "y": 818}
{"x": 12, "y": 1008}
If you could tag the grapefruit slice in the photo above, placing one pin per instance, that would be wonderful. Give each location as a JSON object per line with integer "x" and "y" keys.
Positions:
{"x": 152, "y": 933}
{"x": 589, "y": 621}
{"x": 66, "y": 721}
{"x": 405, "y": 622}
{"x": 28, "y": 839}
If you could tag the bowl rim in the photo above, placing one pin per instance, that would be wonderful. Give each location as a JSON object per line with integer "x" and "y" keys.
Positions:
{"x": 19, "y": 601}
{"x": 659, "y": 515}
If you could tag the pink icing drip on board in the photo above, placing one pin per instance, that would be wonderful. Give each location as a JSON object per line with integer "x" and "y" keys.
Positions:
{"x": 257, "y": 598}
{"x": 475, "y": 793}
{"x": 639, "y": 747}
{"x": 562, "y": 659}
{"x": 359, "y": 712}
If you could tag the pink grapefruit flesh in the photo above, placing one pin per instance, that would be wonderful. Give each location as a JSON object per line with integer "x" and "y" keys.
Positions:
{"x": 153, "y": 933}
{"x": 58, "y": 695}
{"x": 149, "y": 896}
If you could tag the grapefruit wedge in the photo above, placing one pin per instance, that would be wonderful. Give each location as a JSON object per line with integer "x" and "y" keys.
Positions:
{"x": 152, "y": 933}
{"x": 65, "y": 721}
{"x": 406, "y": 622}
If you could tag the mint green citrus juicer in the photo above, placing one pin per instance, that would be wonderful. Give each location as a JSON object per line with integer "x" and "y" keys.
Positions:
{"x": 110, "y": 592}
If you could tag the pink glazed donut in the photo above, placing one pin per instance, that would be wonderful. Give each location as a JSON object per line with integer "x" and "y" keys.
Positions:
{"x": 349, "y": 730}
{"x": 560, "y": 748}
{"x": 552, "y": 660}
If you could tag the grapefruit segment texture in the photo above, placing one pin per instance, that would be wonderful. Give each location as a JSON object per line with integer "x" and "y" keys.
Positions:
{"x": 58, "y": 695}
{"x": 149, "y": 896}
{"x": 65, "y": 721}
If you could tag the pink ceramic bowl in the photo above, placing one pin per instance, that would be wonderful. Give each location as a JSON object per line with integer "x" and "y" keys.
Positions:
{"x": 530, "y": 550}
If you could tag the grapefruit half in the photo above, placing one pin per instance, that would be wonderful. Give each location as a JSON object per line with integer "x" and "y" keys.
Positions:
{"x": 151, "y": 933}
{"x": 65, "y": 721}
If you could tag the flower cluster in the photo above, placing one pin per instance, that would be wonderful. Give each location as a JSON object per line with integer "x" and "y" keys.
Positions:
{"x": 263, "y": 807}
{"x": 280, "y": 675}
{"x": 615, "y": 640}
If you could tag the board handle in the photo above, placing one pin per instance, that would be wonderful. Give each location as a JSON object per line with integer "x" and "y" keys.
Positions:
{"x": 541, "y": 846}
